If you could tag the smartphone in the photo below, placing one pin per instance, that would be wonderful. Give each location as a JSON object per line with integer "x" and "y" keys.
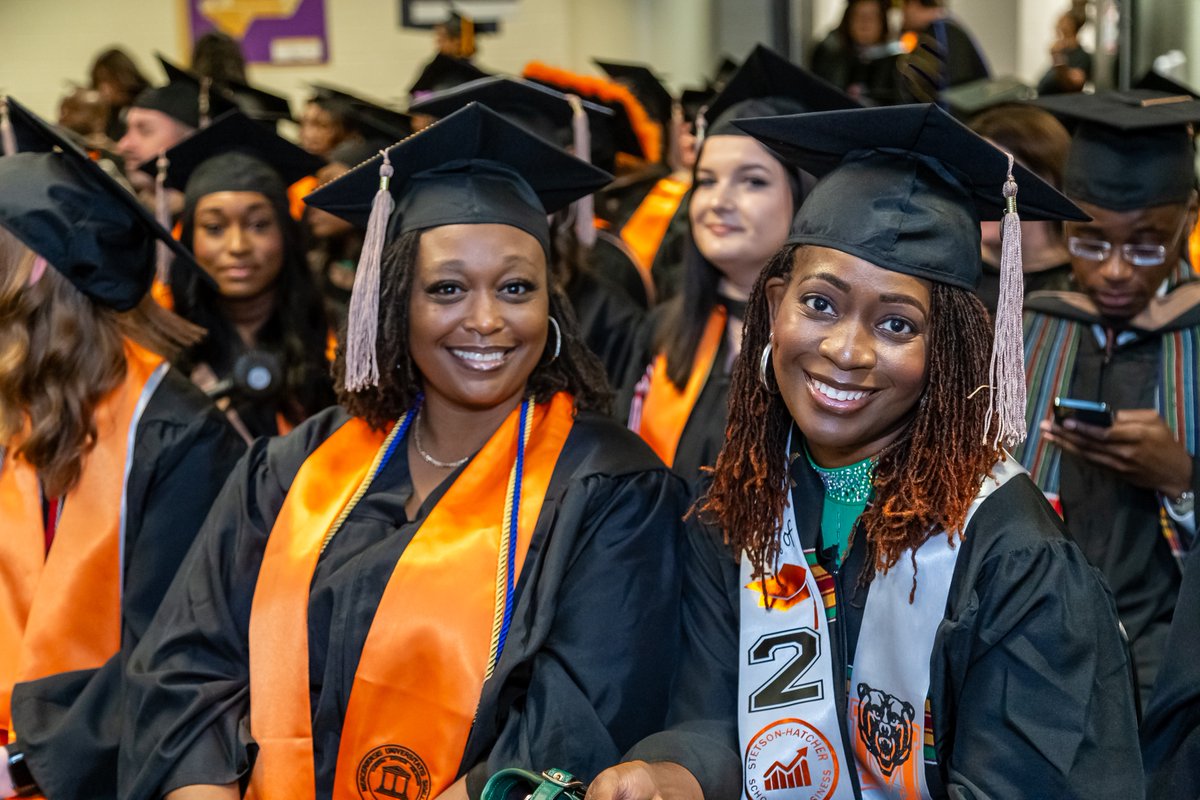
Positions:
{"x": 1086, "y": 411}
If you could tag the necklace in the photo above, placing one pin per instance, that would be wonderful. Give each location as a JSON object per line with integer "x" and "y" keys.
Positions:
{"x": 848, "y": 484}
{"x": 428, "y": 458}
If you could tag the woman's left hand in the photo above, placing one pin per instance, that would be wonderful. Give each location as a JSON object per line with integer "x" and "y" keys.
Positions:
{"x": 1139, "y": 447}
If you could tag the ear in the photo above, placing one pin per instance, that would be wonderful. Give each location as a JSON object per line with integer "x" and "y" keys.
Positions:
{"x": 775, "y": 289}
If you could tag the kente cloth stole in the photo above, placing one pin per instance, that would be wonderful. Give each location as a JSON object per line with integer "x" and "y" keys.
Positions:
{"x": 1051, "y": 347}
{"x": 660, "y": 411}
{"x": 646, "y": 227}
{"x": 788, "y": 721}
{"x": 439, "y": 628}
{"x": 61, "y": 610}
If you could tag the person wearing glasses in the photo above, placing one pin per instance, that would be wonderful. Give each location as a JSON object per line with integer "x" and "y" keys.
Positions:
{"x": 1127, "y": 336}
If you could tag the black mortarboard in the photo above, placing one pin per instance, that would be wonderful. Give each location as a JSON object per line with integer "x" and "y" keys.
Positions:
{"x": 968, "y": 99}
{"x": 472, "y": 167}
{"x": 371, "y": 119}
{"x": 694, "y": 100}
{"x": 725, "y": 69}
{"x": 444, "y": 72}
{"x": 1155, "y": 81}
{"x": 533, "y": 106}
{"x": 1129, "y": 149}
{"x": 645, "y": 85}
{"x": 234, "y": 132}
{"x": 903, "y": 187}
{"x": 186, "y": 97}
{"x": 67, "y": 209}
{"x": 767, "y": 84}
{"x": 259, "y": 104}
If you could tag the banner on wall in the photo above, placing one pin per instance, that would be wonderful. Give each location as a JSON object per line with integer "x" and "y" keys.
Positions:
{"x": 269, "y": 31}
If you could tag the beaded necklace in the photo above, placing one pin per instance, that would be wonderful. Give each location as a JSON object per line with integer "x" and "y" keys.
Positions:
{"x": 847, "y": 491}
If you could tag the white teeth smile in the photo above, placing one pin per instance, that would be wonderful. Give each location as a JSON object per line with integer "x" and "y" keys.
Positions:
{"x": 840, "y": 395}
{"x": 480, "y": 358}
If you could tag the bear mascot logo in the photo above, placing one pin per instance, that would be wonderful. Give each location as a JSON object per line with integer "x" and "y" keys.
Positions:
{"x": 885, "y": 727}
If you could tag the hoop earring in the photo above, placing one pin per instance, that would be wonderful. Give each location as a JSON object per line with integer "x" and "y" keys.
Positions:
{"x": 557, "y": 340}
{"x": 763, "y": 362}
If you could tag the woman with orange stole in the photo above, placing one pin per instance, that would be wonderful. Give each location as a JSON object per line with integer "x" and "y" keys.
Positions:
{"x": 742, "y": 201}
{"x": 438, "y": 578}
{"x": 109, "y": 459}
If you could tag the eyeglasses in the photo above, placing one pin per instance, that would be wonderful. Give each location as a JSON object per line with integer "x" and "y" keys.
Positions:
{"x": 1136, "y": 255}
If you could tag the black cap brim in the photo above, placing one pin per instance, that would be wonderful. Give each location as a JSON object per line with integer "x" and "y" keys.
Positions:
{"x": 766, "y": 74}
{"x": 642, "y": 81}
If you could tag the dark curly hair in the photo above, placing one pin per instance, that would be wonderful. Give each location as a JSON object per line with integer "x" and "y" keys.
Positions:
{"x": 924, "y": 481}
{"x": 576, "y": 370}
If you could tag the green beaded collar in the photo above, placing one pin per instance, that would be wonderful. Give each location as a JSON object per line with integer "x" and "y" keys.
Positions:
{"x": 848, "y": 484}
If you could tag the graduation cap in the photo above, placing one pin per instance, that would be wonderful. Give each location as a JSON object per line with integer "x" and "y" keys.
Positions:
{"x": 767, "y": 84}
{"x": 1156, "y": 81}
{"x": 232, "y": 133}
{"x": 186, "y": 97}
{"x": 968, "y": 99}
{"x": 259, "y": 104}
{"x": 645, "y": 85}
{"x": 444, "y": 72}
{"x": 693, "y": 101}
{"x": 68, "y": 210}
{"x": 1130, "y": 149}
{"x": 472, "y": 167}
{"x": 905, "y": 187}
{"x": 725, "y": 69}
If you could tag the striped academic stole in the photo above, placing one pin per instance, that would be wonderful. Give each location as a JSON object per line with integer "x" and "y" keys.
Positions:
{"x": 1051, "y": 348}
{"x": 660, "y": 410}
{"x": 440, "y": 626}
{"x": 788, "y": 720}
{"x": 61, "y": 610}
{"x": 648, "y": 225}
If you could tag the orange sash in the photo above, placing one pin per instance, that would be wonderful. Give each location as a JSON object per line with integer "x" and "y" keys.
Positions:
{"x": 297, "y": 192}
{"x": 666, "y": 410}
{"x": 72, "y": 619}
{"x": 426, "y": 655}
{"x": 645, "y": 229}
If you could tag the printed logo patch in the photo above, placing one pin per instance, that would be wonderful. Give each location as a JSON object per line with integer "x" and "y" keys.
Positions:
{"x": 790, "y": 759}
{"x": 885, "y": 726}
{"x": 393, "y": 772}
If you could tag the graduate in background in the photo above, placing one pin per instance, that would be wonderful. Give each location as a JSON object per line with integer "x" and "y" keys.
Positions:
{"x": 1127, "y": 336}
{"x": 237, "y": 225}
{"x": 742, "y": 202}
{"x": 886, "y": 606}
{"x": 436, "y": 579}
{"x": 109, "y": 459}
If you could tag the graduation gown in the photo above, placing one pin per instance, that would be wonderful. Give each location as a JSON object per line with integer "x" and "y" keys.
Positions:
{"x": 70, "y": 724}
{"x": 608, "y": 320}
{"x": 1029, "y": 685}
{"x": 1117, "y": 525}
{"x": 589, "y": 654}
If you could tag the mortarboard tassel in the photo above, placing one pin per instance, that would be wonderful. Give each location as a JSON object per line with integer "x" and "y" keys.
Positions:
{"x": 701, "y": 126}
{"x": 205, "y": 89}
{"x": 362, "y": 363}
{"x": 162, "y": 213}
{"x": 581, "y": 146}
{"x": 1007, "y": 371}
{"x": 8, "y": 138}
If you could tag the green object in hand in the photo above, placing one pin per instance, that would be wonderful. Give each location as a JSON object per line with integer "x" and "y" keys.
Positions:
{"x": 521, "y": 784}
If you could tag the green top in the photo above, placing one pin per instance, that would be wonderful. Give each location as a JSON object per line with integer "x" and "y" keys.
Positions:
{"x": 847, "y": 490}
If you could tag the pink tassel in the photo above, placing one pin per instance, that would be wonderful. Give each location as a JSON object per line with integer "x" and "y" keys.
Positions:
{"x": 701, "y": 126}
{"x": 8, "y": 138}
{"x": 362, "y": 362}
{"x": 1007, "y": 370}
{"x": 581, "y": 146}
{"x": 162, "y": 213}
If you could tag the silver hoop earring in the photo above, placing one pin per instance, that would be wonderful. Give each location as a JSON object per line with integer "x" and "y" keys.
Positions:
{"x": 763, "y": 362}
{"x": 557, "y": 340}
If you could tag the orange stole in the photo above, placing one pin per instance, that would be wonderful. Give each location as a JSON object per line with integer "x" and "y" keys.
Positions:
{"x": 420, "y": 674}
{"x": 645, "y": 229}
{"x": 72, "y": 619}
{"x": 297, "y": 192}
{"x": 666, "y": 410}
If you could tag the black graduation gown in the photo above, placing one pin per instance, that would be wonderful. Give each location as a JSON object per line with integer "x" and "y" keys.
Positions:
{"x": 70, "y": 724}
{"x": 608, "y": 320}
{"x": 610, "y": 259}
{"x": 1116, "y": 524}
{"x": 704, "y": 433}
{"x": 1029, "y": 681}
{"x": 588, "y": 659}
{"x": 1056, "y": 278}
{"x": 1171, "y": 728}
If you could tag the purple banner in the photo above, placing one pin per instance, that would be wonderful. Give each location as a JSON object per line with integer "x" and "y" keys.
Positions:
{"x": 270, "y": 31}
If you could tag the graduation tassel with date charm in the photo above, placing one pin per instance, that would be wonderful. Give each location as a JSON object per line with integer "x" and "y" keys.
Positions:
{"x": 1006, "y": 373}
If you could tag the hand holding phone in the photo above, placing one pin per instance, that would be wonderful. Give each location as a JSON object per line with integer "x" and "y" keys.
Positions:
{"x": 1088, "y": 412}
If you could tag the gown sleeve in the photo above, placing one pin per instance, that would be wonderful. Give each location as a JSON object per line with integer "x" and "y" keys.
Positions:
{"x": 599, "y": 680}
{"x": 70, "y": 723}
{"x": 188, "y": 681}
{"x": 1036, "y": 694}
{"x": 702, "y": 731}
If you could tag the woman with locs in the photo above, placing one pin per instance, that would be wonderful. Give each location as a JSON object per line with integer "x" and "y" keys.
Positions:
{"x": 882, "y": 604}
{"x": 437, "y": 578}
